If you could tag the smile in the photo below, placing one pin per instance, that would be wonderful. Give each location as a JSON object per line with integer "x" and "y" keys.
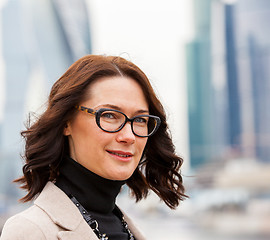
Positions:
{"x": 124, "y": 155}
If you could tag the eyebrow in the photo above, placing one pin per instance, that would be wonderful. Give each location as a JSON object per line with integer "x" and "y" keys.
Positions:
{"x": 141, "y": 111}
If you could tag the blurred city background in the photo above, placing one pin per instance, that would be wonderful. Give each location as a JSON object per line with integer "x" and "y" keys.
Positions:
{"x": 209, "y": 61}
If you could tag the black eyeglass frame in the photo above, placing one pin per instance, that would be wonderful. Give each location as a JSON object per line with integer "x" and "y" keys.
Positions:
{"x": 98, "y": 113}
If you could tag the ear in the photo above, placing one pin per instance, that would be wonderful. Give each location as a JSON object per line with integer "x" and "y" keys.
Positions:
{"x": 67, "y": 131}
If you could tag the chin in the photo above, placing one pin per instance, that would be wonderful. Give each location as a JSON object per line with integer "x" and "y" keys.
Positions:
{"x": 121, "y": 176}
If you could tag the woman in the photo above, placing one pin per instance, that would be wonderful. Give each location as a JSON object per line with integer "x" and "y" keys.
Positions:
{"x": 103, "y": 127}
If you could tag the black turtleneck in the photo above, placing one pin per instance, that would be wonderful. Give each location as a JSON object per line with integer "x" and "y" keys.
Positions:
{"x": 96, "y": 194}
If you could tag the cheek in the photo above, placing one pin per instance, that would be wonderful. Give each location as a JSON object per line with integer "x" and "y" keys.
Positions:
{"x": 81, "y": 133}
{"x": 142, "y": 144}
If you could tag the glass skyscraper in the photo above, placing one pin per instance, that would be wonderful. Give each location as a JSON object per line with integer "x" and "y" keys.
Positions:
{"x": 228, "y": 81}
{"x": 253, "y": 62}
{"x": 201, "y": 102}
{"x": 40, "y": 39}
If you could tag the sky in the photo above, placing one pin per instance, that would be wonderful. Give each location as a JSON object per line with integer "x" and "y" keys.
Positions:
{"x": 152, "y": 34}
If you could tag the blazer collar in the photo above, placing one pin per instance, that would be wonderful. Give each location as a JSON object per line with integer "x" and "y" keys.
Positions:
{"x": 64, "y": 213}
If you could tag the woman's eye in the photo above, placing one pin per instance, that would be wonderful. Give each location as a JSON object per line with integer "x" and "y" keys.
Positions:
{"x": 108, "y": 115}
{"x": 140, "y": 120}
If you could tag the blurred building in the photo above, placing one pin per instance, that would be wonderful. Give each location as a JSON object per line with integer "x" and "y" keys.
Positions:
{"x": 40, "y": 39}
{"x": 203, "y": 121}
{"x": 253, "y": 47}
{"x": 228, "y": 81}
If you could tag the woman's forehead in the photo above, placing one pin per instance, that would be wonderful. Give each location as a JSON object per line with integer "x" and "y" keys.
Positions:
{"x": 119, "y": 91}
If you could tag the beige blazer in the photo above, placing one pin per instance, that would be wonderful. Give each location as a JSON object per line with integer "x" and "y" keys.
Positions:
{"x": 53, "y": 216}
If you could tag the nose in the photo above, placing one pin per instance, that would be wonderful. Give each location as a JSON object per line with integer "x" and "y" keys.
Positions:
{"x": 125, "y": 135}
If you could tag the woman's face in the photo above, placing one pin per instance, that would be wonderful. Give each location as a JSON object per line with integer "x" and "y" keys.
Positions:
{"x": 116, "y": 155}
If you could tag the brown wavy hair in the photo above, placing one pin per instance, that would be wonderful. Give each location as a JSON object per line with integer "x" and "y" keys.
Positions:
{"x": 46, "y": 146}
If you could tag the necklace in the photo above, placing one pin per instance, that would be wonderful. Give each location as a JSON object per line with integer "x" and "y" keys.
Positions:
{"x": 94, "y": 224}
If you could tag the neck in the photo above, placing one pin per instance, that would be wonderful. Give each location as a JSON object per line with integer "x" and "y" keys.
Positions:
{"x": 94, "y": 192}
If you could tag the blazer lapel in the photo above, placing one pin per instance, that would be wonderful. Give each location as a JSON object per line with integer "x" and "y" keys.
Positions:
{"x": 81, "y": 233}
{"x": 64, "y": 213}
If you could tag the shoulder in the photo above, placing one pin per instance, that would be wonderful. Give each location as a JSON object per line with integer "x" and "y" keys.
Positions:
{"x": 22, "y": 227}
{"x": 40, "y": 221}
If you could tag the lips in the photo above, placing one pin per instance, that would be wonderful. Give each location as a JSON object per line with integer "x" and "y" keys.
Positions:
{"x": 120, "y": 154}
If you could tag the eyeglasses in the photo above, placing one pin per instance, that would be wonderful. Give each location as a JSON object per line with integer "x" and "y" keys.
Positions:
{"x": 110, "y": 120}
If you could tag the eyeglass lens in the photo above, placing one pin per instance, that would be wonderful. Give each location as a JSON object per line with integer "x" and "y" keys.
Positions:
{"x": 142, "y": 125}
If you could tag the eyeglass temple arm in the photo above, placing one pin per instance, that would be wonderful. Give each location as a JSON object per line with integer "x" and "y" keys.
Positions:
{"x": 85, "y": 109}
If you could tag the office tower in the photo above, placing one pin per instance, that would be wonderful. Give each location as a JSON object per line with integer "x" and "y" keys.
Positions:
{"x": 228, "y": 81}
{"x": 253, "y": 61}
{"x": 203, "y": 118}
{"x": 40, "y": 39}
